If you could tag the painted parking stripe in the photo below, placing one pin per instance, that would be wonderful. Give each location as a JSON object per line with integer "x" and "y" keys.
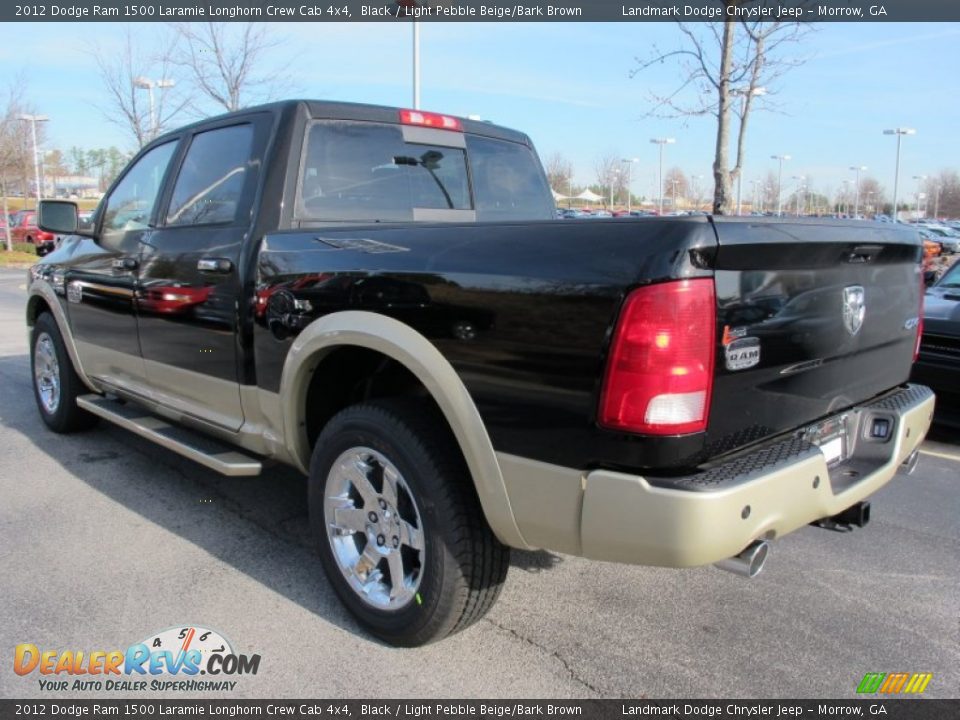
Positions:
{"x": 945, "y": 456}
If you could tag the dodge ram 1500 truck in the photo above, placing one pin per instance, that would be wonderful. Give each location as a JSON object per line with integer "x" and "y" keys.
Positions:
{"x": 385, "y": 300}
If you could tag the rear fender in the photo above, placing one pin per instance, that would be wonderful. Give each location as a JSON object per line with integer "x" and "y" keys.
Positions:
{"x": 411, "y": 349}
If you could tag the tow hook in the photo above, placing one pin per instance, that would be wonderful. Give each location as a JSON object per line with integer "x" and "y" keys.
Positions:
{"x": 857, "y": 515}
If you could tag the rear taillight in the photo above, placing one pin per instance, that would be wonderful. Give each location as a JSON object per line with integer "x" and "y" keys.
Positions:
{"x": 660, "y": 370}
{"x": 431, "y": 120}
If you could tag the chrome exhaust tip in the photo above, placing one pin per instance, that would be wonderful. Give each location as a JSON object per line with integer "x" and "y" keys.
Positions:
{"x": 910, "y": 464}
{"x": 748, "y": 563}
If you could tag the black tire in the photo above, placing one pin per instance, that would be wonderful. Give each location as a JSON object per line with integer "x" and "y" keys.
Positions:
{"x": 66, "y": 416}
{"x": 462, "y": 566}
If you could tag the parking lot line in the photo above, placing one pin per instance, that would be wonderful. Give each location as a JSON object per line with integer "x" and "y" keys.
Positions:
{"x": 945, "y": 456}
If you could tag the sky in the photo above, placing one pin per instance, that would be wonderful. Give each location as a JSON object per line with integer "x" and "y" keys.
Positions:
{"x": 568, "y": 86}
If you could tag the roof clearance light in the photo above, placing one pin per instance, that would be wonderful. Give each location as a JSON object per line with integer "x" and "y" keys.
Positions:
{"x": 431, "y": 120}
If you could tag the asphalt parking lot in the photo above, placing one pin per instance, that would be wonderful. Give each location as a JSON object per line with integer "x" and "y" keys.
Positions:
{"x": 107, "y": 539}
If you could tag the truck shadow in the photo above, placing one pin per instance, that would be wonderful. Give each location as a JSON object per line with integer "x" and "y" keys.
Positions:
{"x": 214, "y": 513}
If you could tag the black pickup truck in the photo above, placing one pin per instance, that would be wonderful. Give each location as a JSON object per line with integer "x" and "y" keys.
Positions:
{"x": 385, "y": 300}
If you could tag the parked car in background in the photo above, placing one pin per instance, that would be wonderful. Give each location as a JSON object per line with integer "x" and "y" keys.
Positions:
{"x": 938, "y": 364}
{"x": 23, "y": 229}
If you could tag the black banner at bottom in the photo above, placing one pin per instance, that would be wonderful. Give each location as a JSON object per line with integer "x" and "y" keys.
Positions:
{"x": 878, "y": 708}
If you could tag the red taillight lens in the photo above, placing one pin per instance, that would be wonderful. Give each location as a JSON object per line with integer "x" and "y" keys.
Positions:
{"x": 431, "y": 120}
{"x": 660, "y": 370}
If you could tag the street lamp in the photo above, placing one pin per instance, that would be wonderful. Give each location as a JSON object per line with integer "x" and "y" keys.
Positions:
{"x": 743, "y": 94}
{"x": 920, "y": 195}
{"x": 661, "y": 142}
{"x": 799, "y": 179}
{"x": 142, "y": 83}
{"x": 416, "y": 65}
{"x": 629, "y": 163}
{"x": 780, "y": 158}
{"x": 899, "y": 132}
{"x": 33, "y": 120}
{"x": 856, "y": 201}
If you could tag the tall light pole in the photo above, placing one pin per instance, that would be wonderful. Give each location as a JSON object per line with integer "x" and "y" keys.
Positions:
{"x": 33, "y": 120}
{"x": 142, "y": 83}
{"x": 799, "y": 179}
{"x": 920, "y": 194}
{"x": 780, "y": 159}
{"x": 661, "y": 142}
{"x": 856, "y": 196}
{"x": 629, "y": 163}
{"x": 899, "y": 132}
{"x": 743, "y": 94}
{"x": 416, "y": 65}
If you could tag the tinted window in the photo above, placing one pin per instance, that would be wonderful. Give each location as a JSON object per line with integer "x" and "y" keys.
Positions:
{"x": 210, "y": 183}
{"x": 130, "y": 205}
{"x": 364, "y": 171}
{"x": 508, "y": 183}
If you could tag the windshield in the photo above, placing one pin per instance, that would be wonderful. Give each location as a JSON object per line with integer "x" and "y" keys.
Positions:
{"x": 951, "y": 278}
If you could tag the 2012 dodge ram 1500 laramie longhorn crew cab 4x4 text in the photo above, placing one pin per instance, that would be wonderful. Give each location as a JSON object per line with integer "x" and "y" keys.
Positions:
{"x": 385, "y": 300}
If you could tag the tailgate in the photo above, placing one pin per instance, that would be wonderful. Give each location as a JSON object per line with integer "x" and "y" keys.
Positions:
{"x": 813, "y": 317}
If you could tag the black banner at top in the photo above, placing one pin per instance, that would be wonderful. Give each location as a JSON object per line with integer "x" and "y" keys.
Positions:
{"x": 481, "y": 10}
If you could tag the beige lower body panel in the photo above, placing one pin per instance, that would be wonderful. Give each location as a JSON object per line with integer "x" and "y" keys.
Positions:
{"x": 606, "y": 515}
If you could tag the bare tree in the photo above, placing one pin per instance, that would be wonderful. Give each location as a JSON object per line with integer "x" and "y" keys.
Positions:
{"x": 609, "y": 176}
{"x": 675, "y": 185}
{"x": 123, "y": 72}
{"x": 872, "y": 195}
{"x": 559, "y": 173}
{"x": 226, "y": 62}
{"x": 723, "y": 62}
{"x": 943, "y": 194}
{"x": 14, "y": 144}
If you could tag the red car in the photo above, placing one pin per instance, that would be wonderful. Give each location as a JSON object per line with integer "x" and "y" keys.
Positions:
{"x": 23, "y": 229}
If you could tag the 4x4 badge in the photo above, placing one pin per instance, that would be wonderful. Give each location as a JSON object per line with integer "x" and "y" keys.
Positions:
{"x": 854, "y": 308}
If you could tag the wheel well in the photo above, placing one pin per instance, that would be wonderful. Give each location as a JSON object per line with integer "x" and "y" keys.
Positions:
{"x": 35, "y": 306}
{"x": 348, "y": 375}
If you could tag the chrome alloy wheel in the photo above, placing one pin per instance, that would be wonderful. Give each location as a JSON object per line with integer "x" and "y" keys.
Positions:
{"x": 46, "y": 373}
{"x": 374, "y": 528}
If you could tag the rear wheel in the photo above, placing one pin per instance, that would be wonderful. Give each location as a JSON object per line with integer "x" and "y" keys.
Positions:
{"x": 56, "y": 384}
{"x": 402, "y": 536}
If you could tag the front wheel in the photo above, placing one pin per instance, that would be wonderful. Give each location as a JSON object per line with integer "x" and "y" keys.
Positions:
{"x": 56, "y": 384}
{"x": 402, "y": 536}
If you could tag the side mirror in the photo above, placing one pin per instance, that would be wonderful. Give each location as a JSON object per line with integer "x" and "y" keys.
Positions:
{"x": 58, "y": 216}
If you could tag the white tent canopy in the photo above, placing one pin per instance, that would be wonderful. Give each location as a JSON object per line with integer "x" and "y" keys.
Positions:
{"x": 557, "y": 196}
{"x": 589, "y": 196}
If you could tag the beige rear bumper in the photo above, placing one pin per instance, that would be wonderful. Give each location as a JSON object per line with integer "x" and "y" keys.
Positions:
{"x": 621, "y": 517}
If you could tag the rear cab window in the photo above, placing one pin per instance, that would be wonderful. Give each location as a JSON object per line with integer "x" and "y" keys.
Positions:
{"x": 353, "y": 171}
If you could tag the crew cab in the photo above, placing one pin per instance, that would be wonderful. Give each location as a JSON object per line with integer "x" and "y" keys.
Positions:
{"x": 385, "y": 300}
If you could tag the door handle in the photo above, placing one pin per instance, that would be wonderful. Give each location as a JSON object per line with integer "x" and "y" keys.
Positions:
{"x": 214, "y": 265}
{"x": 126, "y": 263}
